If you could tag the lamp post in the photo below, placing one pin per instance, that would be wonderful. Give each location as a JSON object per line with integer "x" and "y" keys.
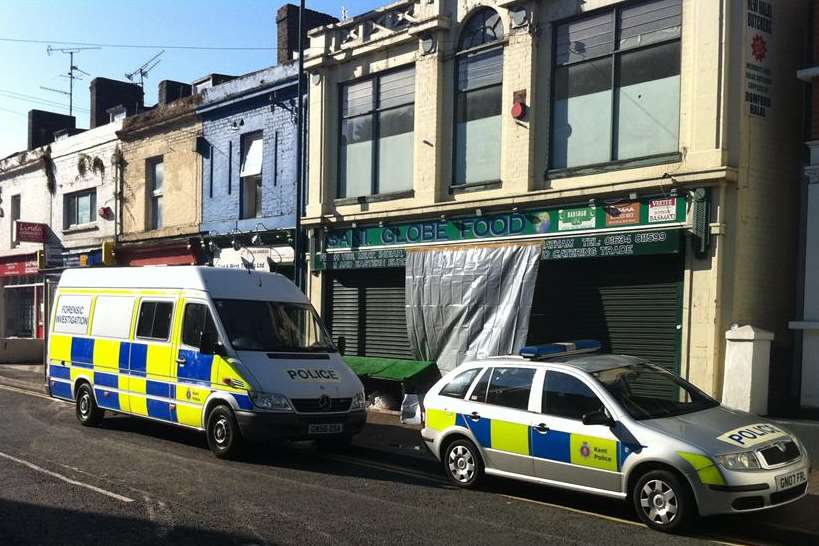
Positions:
{"x": 299, "y": 265}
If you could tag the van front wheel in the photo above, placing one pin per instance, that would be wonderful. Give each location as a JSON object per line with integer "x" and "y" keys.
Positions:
{"x": 88, "y": 413}
{"x": 224, "y": 436}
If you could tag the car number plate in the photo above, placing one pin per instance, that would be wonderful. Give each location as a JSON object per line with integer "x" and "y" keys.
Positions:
{"x": 792, "y": 479}
{"x": 325, "y": 428}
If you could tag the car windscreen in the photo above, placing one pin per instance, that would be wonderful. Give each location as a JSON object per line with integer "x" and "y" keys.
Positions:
{"x": 646, "y": 391}
{"x": 272, "y": 326}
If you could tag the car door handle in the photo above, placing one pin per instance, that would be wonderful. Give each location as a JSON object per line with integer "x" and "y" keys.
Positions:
{"x": 541, "y": 428}
{"x": 475, "y": 416}
{"x": 181, "y": 360}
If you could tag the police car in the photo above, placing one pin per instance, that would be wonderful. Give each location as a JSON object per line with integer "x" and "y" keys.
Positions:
{"x": 568, "y": 416}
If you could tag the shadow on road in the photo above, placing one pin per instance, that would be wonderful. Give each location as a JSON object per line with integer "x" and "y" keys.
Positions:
{"x": 24, "y": 523}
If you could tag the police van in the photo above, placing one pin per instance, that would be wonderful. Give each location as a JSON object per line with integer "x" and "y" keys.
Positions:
{"x": 241, "y": 355}
{"x": 566, "y": 415}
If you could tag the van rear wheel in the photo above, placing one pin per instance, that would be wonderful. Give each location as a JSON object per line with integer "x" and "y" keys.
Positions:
{"x": 224, "y": 437}
{"x": 88, "y": 413}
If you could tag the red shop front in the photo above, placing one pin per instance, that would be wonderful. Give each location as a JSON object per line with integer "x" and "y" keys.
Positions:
{"x": 176, "y": 253}
{"x": 21, "y": 299}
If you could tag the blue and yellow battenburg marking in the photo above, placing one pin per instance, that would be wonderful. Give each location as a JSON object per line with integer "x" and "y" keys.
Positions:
{"x": 142, "y": 378}
{"x": 556, "y": 445}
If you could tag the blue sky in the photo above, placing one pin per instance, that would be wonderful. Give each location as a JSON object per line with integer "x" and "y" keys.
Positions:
{"x": 24, "y": 67}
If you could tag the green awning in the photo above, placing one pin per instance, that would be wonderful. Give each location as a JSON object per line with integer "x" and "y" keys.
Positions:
{"x": 394, "y": 369}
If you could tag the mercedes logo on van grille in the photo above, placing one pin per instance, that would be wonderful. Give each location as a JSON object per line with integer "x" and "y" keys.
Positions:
{"x": 781, "y": 446}
{"x": 324, "y": 402}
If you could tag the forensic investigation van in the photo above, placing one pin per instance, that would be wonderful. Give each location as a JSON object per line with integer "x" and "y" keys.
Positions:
{"x": 241, "y": 355}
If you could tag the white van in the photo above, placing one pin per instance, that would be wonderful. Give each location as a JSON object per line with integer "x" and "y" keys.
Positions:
{"x": 241, "y": 355}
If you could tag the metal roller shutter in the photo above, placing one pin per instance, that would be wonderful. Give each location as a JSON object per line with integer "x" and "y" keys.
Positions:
{"x": 367, "y": 308}
{"x": 632, "y": 305}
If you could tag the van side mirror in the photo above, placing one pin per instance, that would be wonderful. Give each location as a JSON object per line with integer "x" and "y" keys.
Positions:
{"x": 598, "y": 417}
{"x": 341, "y": 345}
{"x": 209, "y": 344}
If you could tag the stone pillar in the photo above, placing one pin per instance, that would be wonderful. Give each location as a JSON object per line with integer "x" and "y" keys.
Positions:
{"x": 747, "y": 367}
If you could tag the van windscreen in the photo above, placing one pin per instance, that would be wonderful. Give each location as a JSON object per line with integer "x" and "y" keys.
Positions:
{"x": 271, "y": 326}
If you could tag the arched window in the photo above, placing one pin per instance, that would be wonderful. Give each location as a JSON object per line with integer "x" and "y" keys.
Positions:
{"x": 479, "y": 75}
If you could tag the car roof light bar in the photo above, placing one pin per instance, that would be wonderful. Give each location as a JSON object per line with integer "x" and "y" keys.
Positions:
{"x": 564, "y": 348}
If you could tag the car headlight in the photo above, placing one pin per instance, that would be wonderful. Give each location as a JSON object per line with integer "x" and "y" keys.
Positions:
{"x": 358, "y": 401}
{"x": 270, "y": 401}
{"x": 739, "y": 461}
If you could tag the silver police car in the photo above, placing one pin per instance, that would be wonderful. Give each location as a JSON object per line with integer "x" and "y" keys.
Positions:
{"x": 565, "y": 415}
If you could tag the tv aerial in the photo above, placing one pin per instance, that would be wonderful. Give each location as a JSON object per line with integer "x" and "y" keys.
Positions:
{"x": 74, "y": 73}
{"x": 144, "y": 69}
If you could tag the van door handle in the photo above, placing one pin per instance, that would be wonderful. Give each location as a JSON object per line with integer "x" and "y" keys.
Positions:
{"x": 181, "y": 360}
{"x": 475, "y": 416}
{"x": 541, "y": 428}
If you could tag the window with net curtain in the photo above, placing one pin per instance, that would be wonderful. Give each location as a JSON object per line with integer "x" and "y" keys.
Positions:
{"x": 478, "y": 94}
{"x": 376, "y": 139}
{"x": 616, "y": 93}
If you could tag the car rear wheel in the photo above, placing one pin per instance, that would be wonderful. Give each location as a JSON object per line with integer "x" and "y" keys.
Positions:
{"x": 224, "y": 437}
{"x": 663, "y": 501}
{"x": 88, "y": 413}
{"x": 462, "y": 463}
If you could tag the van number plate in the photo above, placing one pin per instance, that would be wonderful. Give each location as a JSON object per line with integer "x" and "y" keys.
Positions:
{"x": 325, "y": 428}
{"x": 786, "y": 481}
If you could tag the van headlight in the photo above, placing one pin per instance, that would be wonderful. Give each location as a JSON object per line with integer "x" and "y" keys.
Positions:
{"x": 739, "y": 461}
{"x": 270, "y": 401}
{"x": 358, "y": 401}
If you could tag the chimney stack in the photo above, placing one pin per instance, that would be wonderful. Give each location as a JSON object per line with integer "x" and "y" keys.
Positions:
{"x": 287, "y": 27}
{"x": 106, "y": 93}
{"x": 170, "y": 91}
{"x": 42, "y": 125}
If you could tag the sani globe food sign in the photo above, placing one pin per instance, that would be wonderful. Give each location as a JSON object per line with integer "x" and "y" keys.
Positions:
{"x": 648, "y": 213}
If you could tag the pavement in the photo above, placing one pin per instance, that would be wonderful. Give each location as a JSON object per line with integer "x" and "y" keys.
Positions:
{"x": 133, "y": 481}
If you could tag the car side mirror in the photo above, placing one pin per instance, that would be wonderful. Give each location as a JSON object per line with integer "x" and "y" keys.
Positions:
{"x": 209, "y": 344}
{"x": 341, "y": 345}
{"x": 598, "y": 417}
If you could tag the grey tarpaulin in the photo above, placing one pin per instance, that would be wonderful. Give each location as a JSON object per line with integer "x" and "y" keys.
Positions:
{"x": 469, "y": 302}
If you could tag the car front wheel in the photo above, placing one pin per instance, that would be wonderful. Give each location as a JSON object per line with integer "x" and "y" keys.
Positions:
{"x": 663, "y": 501}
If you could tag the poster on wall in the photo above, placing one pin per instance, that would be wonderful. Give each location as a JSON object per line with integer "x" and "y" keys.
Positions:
{"x": 72, "y": 314}
{"x": 758, "y": 46}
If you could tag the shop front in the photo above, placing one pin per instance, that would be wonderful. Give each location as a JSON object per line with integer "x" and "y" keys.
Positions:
{"x": 178, "y": 252}
{"x": 22, "y": 297}
{"x": 610, "y": 271}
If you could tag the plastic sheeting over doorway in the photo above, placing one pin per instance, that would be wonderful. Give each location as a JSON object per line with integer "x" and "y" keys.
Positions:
{"x": 469, "y": 302}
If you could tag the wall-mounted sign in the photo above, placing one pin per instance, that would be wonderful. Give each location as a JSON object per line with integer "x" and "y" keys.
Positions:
{"x": 253, "y": 257}
{"x": 625, "y": 214}
{"x": 30, "y": 232}
{"x": 627, "y": 243}
{"x": 758, "y": 48}
{"x": 537, "y": 222}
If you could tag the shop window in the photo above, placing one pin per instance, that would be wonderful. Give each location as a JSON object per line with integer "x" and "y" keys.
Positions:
{"x": 457, "y": 387}
{"x": 156, "y": 193}
{"x": 477, "y": 136}
{"x": 155, "y": 320}
{"x": 567, "y": 396}
{"x": 251, "y": 175}
{"x": 616, "y": 84}
{"x": 377, "y": 134}
{"x": 510, "y": 387}
{"x": 196, "y": 321}
{"x": 79, "y": 208}
{"x": 15, "y": 215}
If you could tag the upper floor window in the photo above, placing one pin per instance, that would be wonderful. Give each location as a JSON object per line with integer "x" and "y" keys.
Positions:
{"x": 479, "y": 73}
{"x": 251, "y": 175}
{"x": 377, "y": 128}
{"x": 15, "y": 215}
{"x": 79, "y": 208}
{"x": 616, "y": 84}
{"x": 156, "y": 192}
